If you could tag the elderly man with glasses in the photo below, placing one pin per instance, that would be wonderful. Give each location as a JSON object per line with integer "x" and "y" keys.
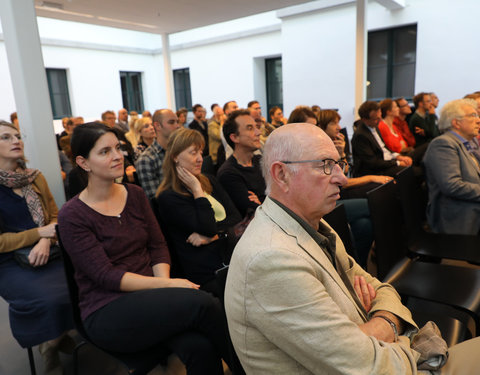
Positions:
{"x": 452, "y": 165}
{"x": 296, "y": 303}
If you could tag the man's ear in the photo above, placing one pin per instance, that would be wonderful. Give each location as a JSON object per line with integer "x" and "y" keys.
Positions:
{"x": 455, "y": 124}
{"x": 280, "y": 175}
{"x": 234, "y": 137}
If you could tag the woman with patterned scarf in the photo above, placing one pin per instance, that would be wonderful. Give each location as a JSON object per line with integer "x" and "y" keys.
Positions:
{"x": 39, "y": 306}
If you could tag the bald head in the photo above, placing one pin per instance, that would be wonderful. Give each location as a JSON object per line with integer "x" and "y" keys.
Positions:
{"x": 302, "y": 184}
{"x": 291, "y": 142}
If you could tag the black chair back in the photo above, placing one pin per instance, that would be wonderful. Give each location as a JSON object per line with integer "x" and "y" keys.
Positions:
{"x": 388, "y": 227}
{"x": 337, "y": 219}
{"x": 72, "y": 288}
{"x": 413, "y": 201}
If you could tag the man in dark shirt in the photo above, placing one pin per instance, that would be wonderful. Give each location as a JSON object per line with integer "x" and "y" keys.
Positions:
{"x": 199, "y": 123}
{"x": 422, "y": 123}
{"x": 241, "y": 174}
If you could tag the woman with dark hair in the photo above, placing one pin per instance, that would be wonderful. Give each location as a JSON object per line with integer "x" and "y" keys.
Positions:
{"x": 39, "y": 305}
{"x": 302, "y": 114}
{"x": 128, "y": 301}
{"x": 198, "y": 214}
{"x": 390, "y": 134}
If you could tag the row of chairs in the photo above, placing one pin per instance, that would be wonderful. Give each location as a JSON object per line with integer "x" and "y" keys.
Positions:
{"x": 410, "y": 258}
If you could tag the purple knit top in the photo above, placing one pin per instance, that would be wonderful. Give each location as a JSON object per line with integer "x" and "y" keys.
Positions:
{"x": 103, "y": 248}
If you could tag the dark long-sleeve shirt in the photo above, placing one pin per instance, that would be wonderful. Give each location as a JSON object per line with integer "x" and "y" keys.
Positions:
{"x": 183, "y": 215}
{"x": 237, "y": 180}
{"x": 103, "y": 248}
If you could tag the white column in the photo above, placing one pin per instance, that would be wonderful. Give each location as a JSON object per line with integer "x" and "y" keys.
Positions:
{"x": 361, "y": 54}
{"x": 25, "y": 60}
{"x": 167, "y": 67}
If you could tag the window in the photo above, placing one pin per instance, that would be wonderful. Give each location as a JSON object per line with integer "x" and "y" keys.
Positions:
{"x": 183, "y": 92}
{"x": 391, "y": 62}
{"x": 273, "y": 73}
{"x": 58, "y": 89}
{"x": 132, "y": 94}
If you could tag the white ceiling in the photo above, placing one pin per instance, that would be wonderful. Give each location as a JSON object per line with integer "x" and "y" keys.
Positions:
{"x": 156, "y": 16}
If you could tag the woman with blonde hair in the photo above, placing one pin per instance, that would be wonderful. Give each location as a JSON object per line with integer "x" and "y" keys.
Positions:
{"x": 144, "y": 135}
{"x": 198, "y": 214}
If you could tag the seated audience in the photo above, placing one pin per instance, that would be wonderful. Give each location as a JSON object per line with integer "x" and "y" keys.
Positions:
{"x": 128, "y": 301}
{"x": 199, "y": 123}
{"x": 453, "y": 171}
{"x": 122, "y": 122}
{"x": 14, "y": 120}
{"x": 149, "y": 163}
{"x": 296, "y": 303}
{"x": 64, "y": 140}
{"x": 302, "y": 114}
{"x": 144, "y": 135}
{"x": 38, "y": 301}
{"x": 214, "y": 132}
{"x": 196, "y": 212}
{"x": 146, "y": 113}
{"x": 316, "y": 109}
{"x": 130, "y": 135}
{"x": 400, "y": 121}
{"x": 182, "y": 114}
{"x": 109, "y": 118}
{"x": 370, "y": 155}
{"x": 422, "y": 123}
{"x": 391, "y": 136}
{"x": 276, "y": 114}
{"x": 241, "y": 175}
{"x": 227, "y": 151}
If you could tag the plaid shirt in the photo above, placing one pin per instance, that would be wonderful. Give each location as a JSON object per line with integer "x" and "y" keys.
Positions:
{"x": 149, "y": 168}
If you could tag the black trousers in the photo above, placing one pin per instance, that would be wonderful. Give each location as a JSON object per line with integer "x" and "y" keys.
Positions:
{"x": 191, "y": 323}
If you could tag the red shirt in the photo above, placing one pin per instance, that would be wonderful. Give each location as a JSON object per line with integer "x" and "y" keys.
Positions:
{"x": 404, "y": 130}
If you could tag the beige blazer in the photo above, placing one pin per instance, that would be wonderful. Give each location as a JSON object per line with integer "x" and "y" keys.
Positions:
{"x": 290, "y": 313}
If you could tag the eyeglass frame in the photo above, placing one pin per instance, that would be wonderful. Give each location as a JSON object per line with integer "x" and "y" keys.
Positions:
{"x": 336, "y": 162}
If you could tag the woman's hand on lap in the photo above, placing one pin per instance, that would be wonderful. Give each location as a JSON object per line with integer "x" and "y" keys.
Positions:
{"x": 40, "y": 252}
{"x": 183, "y": 283}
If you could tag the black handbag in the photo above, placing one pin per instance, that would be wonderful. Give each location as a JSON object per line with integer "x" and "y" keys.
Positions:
{"x": 21, "y": 255}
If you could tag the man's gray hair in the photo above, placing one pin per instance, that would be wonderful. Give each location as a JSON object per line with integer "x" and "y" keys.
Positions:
{"x": 453, "y": 110}
{"x": 280, "y": 145}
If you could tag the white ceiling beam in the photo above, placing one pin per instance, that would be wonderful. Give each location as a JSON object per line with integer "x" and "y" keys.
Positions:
{"x": 392, "y": 4}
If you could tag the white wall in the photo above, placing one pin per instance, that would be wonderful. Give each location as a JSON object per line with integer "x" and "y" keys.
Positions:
{"x": 318, "y": 52}
{"x": 7, "y": 102}
{"x": 224, "y": 71}
{"x": 94, "y": 79}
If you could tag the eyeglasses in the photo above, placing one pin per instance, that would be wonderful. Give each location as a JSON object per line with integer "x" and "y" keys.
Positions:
{"x": 472, "y": 115}
{"x": 10, "y": 137}
{"x": 326, "y": 164}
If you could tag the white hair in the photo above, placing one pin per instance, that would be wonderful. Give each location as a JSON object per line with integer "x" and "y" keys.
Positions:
{"x": 453, "y": 110}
